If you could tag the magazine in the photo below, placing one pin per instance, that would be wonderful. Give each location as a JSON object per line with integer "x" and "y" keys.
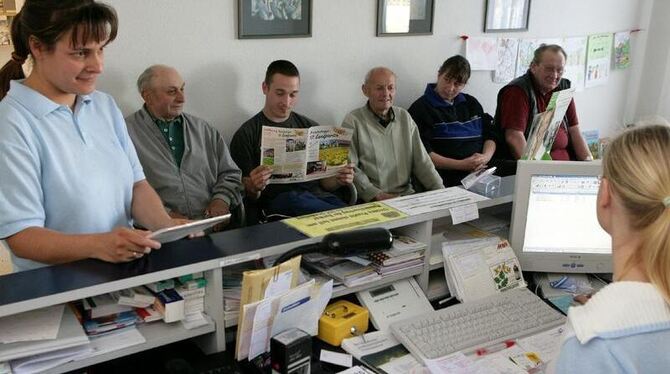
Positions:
{"x": 298, "y": 155}
{"x": 545, "y": 126}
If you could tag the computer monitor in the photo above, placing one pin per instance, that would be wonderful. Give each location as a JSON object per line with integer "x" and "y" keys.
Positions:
{"x": 554, "y": 225}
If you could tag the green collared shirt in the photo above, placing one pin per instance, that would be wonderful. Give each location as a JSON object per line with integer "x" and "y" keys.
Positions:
{"x": 381, "y": 120}
{"x": 173, "y": 132}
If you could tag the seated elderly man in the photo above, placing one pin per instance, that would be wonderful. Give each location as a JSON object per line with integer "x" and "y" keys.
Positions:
{"x": 386, "y": 147}
{"x": 184, "y": 158}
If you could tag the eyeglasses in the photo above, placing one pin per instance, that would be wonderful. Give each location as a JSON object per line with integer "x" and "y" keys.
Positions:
{"x": 552, "y": 70}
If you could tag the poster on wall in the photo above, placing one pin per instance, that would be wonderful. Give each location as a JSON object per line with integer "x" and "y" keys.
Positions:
{"x": 506, "y": 62}
{"x": 598, "y": 57}
{"x": 482, "y": 53}
{"x": 622, "y": 50}
{"x": 575, "y": 63}
{"x": 525, "y": 56}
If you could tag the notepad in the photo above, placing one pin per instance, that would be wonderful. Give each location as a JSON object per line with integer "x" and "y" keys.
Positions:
{"x": 173, "y": 233}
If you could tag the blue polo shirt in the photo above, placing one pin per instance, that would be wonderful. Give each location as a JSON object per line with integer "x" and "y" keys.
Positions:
{"x": 72, "y": 172}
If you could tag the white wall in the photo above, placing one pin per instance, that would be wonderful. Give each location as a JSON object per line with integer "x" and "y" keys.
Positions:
{"x": 654, "y": 95}
{"x": 224, "y": 74}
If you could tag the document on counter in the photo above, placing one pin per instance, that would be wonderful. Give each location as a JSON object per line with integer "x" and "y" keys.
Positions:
{"x": 464, "y": 213}
{"x": 457, "y": 363}
{"x": 432, "y": 201}
{"x": 547, "y": 344}
{"x": 355, "y": 370}
{"x": 379, "y": 349}
{"x": 337, "y": 358}
{"x": 279, "y": 284}
{"x": 342, "y": 219}
{"x": 40, "y": 324}
{"x": 261, "y": 329}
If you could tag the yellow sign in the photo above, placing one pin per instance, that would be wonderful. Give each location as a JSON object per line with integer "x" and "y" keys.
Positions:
{"x": 319, "y": 224}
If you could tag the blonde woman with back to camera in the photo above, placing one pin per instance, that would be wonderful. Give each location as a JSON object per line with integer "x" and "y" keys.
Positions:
{"x": 625, "y": 328}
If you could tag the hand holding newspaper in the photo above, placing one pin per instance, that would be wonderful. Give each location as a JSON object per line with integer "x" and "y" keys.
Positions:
{"x": 299, "y": 155}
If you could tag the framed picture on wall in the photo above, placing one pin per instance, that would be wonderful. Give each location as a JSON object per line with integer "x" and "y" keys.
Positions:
{"x": 506, "y": 15}
{"x": 404, "y": 17}
{"x": 274, "y": 19}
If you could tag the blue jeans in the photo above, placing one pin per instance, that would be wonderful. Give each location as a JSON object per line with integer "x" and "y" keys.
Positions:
{"x": 298, "y": 203}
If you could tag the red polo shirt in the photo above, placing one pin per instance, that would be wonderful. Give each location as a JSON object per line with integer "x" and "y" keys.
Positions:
{"x": 514, "y": 115}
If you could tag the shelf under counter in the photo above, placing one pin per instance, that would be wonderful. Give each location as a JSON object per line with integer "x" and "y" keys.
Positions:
{"x": 157, "y": 334}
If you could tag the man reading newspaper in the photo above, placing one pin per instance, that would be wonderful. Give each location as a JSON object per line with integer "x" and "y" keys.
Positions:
{"x": 281, "y": 88}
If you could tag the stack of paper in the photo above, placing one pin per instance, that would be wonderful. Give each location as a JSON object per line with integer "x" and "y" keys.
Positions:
{"x": 350, "y": 271}
{"x": 99, "y": 345}
{"x": 69, "y": 333}
{"x": 406, "y": 253}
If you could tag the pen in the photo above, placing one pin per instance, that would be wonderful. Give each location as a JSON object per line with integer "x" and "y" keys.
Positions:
{"x": 494, "y": 348}
{"x": 445, "y": 300}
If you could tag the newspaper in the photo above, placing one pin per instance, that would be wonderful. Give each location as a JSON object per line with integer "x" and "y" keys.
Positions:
{"x": 299, "y": 155}
{"x": 545, "y": 126}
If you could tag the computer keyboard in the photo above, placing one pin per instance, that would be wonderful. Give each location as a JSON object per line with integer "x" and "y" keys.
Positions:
{"x": 465, "y": 327}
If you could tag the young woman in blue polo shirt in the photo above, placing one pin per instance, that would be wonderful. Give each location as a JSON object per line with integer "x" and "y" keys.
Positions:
{"x": 71, "y": 181}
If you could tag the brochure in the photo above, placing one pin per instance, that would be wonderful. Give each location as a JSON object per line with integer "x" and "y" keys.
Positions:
{"x": 481, "y": 268}
{"x": 298, "y": 155}
{"x": 545, "y": 126}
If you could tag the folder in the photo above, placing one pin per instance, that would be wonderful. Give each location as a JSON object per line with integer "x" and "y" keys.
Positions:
{"x": 255, "y": 282}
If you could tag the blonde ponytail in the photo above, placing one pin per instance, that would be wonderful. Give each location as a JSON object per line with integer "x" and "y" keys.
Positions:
{"x": 637, "y": 165}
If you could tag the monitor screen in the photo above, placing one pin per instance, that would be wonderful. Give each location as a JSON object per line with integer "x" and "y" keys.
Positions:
{"x": 554, "y": 222}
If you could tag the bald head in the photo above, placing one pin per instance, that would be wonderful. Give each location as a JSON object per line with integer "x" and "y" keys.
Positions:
{"x": 379, "y": 88}
{"x": 162, "y": 89}
{"x": 378, "y": 70}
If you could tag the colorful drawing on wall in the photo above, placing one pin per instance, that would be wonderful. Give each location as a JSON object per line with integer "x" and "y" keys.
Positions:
{"x": 508, "y": 48}
{"x": 525, "y": 56}
{"x": 622, "y": 50}
{"x": 482, "y": 53}
{"x": 598, "y": 59}
{"x": 575, "y": 64}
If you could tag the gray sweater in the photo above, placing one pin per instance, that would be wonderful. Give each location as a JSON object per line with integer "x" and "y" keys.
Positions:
{"x": 386, "y": 158}
{"x": 207, "y": 171}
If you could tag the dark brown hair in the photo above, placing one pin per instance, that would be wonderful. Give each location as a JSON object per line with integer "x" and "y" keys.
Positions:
{"x": 48, "y": 21}
{"x": 457, "y": 68}
{"x": 282, "y": 67}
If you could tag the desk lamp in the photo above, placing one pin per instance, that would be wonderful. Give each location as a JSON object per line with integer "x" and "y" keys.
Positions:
{"x": 344, "y": 244}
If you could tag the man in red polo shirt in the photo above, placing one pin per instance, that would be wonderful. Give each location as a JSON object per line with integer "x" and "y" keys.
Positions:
{"x": 524, "y": 97}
